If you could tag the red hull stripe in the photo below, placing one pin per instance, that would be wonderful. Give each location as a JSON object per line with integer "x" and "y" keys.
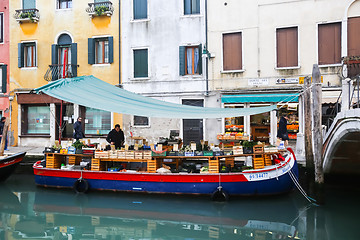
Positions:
{"x": 141, "y": 177}
{"x": 8, "y": 163}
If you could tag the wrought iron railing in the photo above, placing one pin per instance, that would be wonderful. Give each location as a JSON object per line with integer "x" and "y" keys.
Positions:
{"x": 29, "y": 15}
{"x": 58, "y": 71}
{"x": 100, "y": 8}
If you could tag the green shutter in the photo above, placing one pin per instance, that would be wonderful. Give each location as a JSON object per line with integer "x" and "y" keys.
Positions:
{"x": 54, "y": 54}
{"x": 74, "y": 59}
{"x": 200, "y": 59}
{"x": 20, "y": 55}
{"x": 111, "y": 49}
{"x": 91, "y": 51}
{"x": 4, "y": 78}
{"x": 140, "y": 9}
{"x": 140, "y": 63}
{"x": 182, "y": 60}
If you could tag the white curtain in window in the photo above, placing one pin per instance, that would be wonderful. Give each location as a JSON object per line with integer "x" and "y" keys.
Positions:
{"x": 189, "y": 60}
{"x": 196, "y": 60}
{"x": 106, "y": 59}
{"x": 28, "y": 56}
{"x": 99, "y": 51}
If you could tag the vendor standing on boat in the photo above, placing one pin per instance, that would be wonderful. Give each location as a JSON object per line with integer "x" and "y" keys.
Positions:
{"x": 116, "y": 137}
{"x": 78, "y": 132}
{"x": 282, "y": 133}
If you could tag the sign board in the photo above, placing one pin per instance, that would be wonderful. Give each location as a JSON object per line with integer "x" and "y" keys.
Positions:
{"x": 258, "y": 82}
{"x": 301, "y": 80}
{"x": 287, "y": 81}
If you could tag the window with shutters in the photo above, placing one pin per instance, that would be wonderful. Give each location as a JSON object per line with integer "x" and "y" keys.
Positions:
{"x": 191, "y": 7}
{"x": 100, "y": 50}
{"x": 140, "y": 9}
{"x": 329, "y": 43}
{"x": 3, "y": 78}
{"x": 140, "y": 63}
{"x": 287, "y": 47}
{"x": 232, "y": 52}
{"x": 190, "y": 60}
{"x": 1, "y": 27}
{"x": 30, "y": 54}
{"x": 63, "y": 4}
{"x": 354, "y": 36}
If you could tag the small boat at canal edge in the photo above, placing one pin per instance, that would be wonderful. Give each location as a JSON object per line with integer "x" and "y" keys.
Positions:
{"x": 271, "y": 180}
{"x": 9, "y": 164}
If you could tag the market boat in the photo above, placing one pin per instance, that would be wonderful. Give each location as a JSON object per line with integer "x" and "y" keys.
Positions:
{"x": 265, "y": 180}
{"x": 9, "y": 164}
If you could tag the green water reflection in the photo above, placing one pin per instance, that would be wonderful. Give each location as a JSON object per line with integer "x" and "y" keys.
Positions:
{"x": 29, "y": 212}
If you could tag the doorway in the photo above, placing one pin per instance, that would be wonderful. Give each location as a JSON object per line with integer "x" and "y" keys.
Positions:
{"x": 192, "y": 128}
{"x": 67, "y": 121}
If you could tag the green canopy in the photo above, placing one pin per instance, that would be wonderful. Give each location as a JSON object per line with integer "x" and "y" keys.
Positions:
{"x": 92, "y": 92}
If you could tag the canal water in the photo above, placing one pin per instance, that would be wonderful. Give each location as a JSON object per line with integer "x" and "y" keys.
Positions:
{"x": 30, "y": 212}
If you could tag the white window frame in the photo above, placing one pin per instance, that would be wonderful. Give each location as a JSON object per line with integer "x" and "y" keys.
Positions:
{"x": 133, "y": 20}
{"x": 63, "y": 9}
{"x": 275, "y": 43}
{"x": 140, "y": 126}
{"x": 222, "y": 52}
{"x": 36, "y": 54}
{"x": 182, "y": 9}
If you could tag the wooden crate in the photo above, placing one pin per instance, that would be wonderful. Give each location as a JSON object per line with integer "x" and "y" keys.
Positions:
{"x": 147, "y": 154}
{"x": 229, "y": 161}
{"x": 74, "y": 160}
{"x": 258, "y": 149}
{"x": 213, "y": 166}
{"x": 113, "y": 154}
{"x": 97, "y": 165}
{"x": 101, "y": 154}
{"x": 53, "y": 160}
{"x": 121, "y": 154}
{"x": 129, "y": 154}
{"x": 258, "y": 162}
{"x": 138, "y": 154}
{"x": 268, "y": 160}
{"x": 152, "y": 165}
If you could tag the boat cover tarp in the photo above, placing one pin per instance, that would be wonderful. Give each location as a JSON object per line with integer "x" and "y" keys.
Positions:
{"x": 92, "y": 92}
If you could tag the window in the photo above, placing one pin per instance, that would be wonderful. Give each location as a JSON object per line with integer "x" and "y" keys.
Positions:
{"x": 100, "y": 50}
{"x": 191, "y": 7}
{"x": 354, "y": 36}
{"x": 1, "y": 27}
{"x": 287, "y": 47}
{"x": 141, "y": 121}
{"x": 329, "y": 43}
{"x": 30, "y": 55}
{"x": 232, "y": 51}
{"x": 28, "y": 4}
{"x": 37, "y": 120}
{"x": 140, "y": 9}
{"x": 140, "y": 63}
{"x": 98, "y": 121}
{"x": 27, "y": 54}
{"x": 3, "y": 78}
{"x": 63, "y": 4}
{"x": 190, "y": 60}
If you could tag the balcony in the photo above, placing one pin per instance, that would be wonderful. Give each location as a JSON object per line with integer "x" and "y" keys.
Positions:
{"x": 351, "y": 66}
{"x": 27, "y": 15}
{"x": 100, "y": 9}
{"x": 58, "y": 71}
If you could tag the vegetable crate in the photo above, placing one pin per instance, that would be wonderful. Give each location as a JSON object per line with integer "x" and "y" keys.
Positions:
{"x": 258, "y": 162}
{"x": 53, "y": 160}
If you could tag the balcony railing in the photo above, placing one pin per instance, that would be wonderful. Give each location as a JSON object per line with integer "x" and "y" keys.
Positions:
{"x": 27, "y": 15}
{"x": 100, "y": 9}
{"x": 351, "y": 66}
{"x": 58, "y": 71}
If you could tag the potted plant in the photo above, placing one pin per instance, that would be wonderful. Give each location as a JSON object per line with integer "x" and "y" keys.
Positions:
{"x": 248, "y": 147}
{"x": 78, "y": 146}
{"x": 99, "y": 10}
{"x": 56, "y": 148}
{"x": 29, "y": 15}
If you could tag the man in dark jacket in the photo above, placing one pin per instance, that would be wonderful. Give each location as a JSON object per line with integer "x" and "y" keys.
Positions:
{"x": 282, "y": 131}
{"x": 78, "y": 132}
{"x": 116, "y": 137}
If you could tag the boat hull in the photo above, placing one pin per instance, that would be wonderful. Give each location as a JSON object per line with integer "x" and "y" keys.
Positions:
{"x": 9, "y": 164}
{"x": 268, "y": 181}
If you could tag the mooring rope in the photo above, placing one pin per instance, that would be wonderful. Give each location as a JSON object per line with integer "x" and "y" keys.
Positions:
{"x": 297, "y": 184}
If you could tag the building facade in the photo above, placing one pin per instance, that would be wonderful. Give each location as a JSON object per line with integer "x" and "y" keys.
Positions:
{"x": 57, "y": 39}
{"x": 260, "y": 51}
{"x": 162, "y": 47}
{"x": 4, "y": 58}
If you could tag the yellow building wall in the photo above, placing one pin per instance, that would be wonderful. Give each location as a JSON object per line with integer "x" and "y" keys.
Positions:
{"x": 53, "y": 22}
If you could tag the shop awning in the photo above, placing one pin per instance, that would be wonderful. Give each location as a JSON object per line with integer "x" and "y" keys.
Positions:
{"x": 261, "y": 98}
{"x": 92, "y": 92}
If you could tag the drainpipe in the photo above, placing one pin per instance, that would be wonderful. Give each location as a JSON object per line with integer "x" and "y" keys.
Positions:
{"x": 207, "y": 51}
